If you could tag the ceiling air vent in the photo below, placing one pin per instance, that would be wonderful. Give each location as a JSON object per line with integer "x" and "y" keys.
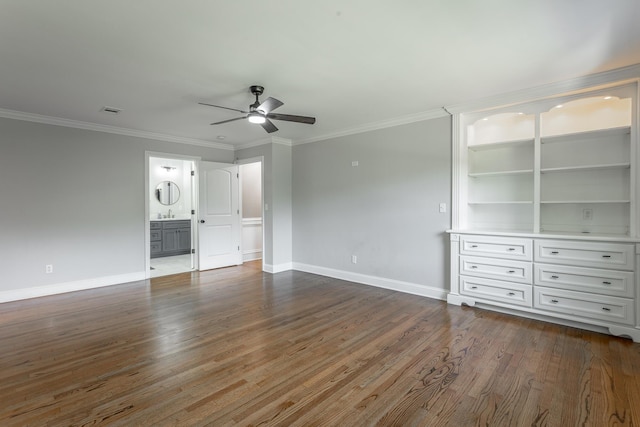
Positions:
{"x": 111, "y": 110}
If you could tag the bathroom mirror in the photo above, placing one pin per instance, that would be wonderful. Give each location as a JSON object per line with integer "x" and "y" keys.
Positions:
{"x": 168, "y": 193}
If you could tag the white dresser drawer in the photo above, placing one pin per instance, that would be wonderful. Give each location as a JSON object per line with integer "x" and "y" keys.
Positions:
{"x": 500, "y": 247}
{"x": 586, "y": 254}
{"x": 605, "y": 282}
{"x": 496, "y": 290}
{"x": 590, "y": 306}
{"x": 495, "y": 268}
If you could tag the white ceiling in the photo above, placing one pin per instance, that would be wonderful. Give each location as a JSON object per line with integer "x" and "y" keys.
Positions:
{"x": 348, "y": 63}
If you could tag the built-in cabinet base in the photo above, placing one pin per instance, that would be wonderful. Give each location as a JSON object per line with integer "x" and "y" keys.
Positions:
{"x": 589, "y": 283}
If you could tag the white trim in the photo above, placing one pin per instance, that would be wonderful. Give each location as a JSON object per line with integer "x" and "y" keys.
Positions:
{"x": 615, "y": 76}
{"x": 57, "y": 121}
{"x": 61, "y": 288}
{"x": 435, "y": 113}
{"x": 252, "y": 221}
{"x": 380, "y": 282}
{"x": 281, "y": 141}
{"x": 252, "y": 144}
{"x": 279, "y": 268}
{"x": 252, "y": 255}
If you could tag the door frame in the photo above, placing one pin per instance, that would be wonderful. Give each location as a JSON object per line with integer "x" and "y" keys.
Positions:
{"x": 258, "y": 159}
{"x": 147, "y": 195}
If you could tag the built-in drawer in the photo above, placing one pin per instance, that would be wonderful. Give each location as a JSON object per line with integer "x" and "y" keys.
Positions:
{"x": 605, "y": 282}
{"x": 495, "y": 268}
{"x": 499, "y": 247}
{"x": 496, "y": 290}
{"x": 155, "y": 235}
{"x": 156, "y": 247}
{"x": 586, "y": 254}
{"x": 155, "y": 225}
{"x": 590, "y": 306}
{"x": 177, "y": 224}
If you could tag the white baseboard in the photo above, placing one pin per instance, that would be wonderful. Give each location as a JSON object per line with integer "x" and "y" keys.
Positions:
{"x": 380, "y": 282}
{"x": 278, "y": 268}
{"x": 252, "y": 255}
{"x": 61, "y": 288}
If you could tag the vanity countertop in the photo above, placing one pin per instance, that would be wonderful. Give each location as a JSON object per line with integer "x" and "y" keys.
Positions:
{"x": 170, "y": 219}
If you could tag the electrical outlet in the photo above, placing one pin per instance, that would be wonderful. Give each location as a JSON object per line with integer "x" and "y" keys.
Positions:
{"x": 587, "y": 214}
{"x": 355, "y": 163}
{"x": 442, "y": 208}
{"x": 354, "y": 259}
{"x": 48, "y": 268}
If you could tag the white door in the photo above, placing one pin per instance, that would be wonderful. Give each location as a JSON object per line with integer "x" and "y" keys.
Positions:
{"x": 219, "y": 232}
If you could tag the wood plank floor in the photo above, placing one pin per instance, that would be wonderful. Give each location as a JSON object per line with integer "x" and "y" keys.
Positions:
{"x": 240, "y": 347}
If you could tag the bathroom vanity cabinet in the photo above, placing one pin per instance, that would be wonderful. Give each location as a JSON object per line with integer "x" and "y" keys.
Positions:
{"x": 170, "y": 237}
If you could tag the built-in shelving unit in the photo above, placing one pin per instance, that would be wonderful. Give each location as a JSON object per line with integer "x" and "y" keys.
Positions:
{"x": 546, "y": 219}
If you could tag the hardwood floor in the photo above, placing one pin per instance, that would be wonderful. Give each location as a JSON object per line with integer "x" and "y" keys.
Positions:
{"x": 240, "y": 347}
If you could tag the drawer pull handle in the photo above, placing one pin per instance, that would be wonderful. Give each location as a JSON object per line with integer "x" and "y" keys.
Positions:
{"x": 511, "y": 294}
{"x": 474, "y": 287}
{"x": 474, "y": 246}
{"x": 511, "y": 271}
{"x": 606, "y": 283}
{"x": 511, "y": 249}
{"x": 606, "y": 308}
{"x": 473, "y": 266}
{"x": 606, "y": 256}
{"x": 554, "y": 252}
{"x": 555, "y": 301}
{"x": 555, "y": 277}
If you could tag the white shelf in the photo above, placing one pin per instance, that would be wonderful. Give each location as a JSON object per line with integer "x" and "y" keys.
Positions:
{"x": 500, "y": 173}
{"x": 594, "y": 134}
{"x": 501, "y": 144}
{"x": 586, "y": 168}
{"x": 582, "y": 201}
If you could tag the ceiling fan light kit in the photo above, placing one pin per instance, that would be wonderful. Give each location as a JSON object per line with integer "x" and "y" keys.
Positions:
{"x": 260, "y": 112}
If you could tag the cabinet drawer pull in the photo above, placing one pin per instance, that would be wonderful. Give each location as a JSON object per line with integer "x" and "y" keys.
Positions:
{"x": 474, "y": 287}
{"x": 473, "y": 266}
{"x": 555, "y": 277}
{"x": 511, "y": 249}
{"x": 555, "y": 301}
{"x": 606, "y": 308}
{"x": 606, "y": 283}
{"x": 554, "y": 252}
{"x": 511, "y": 294}
{"x": 606, "y": 256}
{"x": 474, "y": 246}
{"x": 511, "y": 271}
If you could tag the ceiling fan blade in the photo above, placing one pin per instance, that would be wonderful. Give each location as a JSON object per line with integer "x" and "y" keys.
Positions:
{"x": 270, "y": 104}
{"x": 269, "y": 126}
{"x": 227, "y": 121}
{"x": 220, "y": 106}
{"x": 292, "y": 118}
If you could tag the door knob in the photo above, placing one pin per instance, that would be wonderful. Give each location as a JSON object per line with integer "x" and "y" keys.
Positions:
{"x": 202, "y": 221}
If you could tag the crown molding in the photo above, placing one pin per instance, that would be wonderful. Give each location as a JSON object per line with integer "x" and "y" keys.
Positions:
{"x": 256, "y": 143}
{"x": 435, "y": 113}
{"x": 57, "y": 121}
{"x": 618, "y": 75}
{"x": 281, "y": 141}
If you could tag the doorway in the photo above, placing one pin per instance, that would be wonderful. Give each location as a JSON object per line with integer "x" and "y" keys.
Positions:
{"x": 171, "y": 201}
{"x": 251, "y": 195}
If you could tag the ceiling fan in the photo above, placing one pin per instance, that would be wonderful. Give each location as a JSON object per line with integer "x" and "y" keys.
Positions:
{"x": 261, "y": 113}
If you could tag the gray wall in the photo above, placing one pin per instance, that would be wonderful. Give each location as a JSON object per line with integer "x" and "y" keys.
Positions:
{"x": 75, "y": 199}
{"x": 385, "y": 210}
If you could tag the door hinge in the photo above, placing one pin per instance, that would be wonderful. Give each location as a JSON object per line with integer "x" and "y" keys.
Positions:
{"x": 238, "y": 247}
{"x": 193, "y": 251}
{"x": 193, "y": 211}
{"x": 193, "y": 173}
{"x": 237, "y": 175}
{"x": 238, "y": 211}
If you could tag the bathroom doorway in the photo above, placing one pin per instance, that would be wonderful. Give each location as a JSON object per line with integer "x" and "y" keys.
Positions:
{"x": 171, "y": 202}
